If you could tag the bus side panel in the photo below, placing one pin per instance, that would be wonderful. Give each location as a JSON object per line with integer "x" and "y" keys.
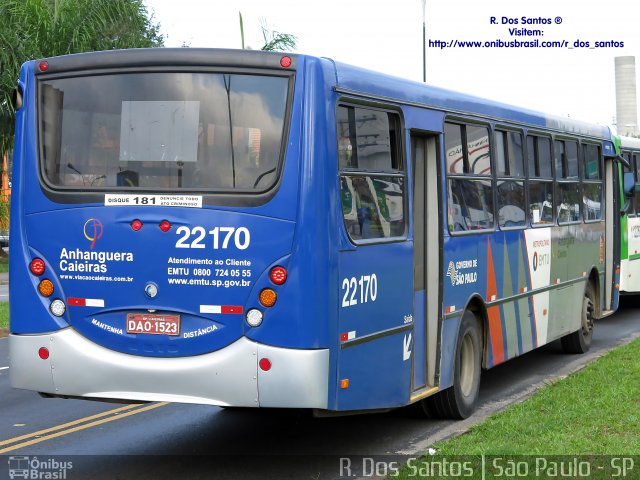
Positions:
{"x": 517, "y": 332}
{"x": 630, "y": 281}
{"x": 376, "y": 294}
{"x": 28, "y": 310}
{"x": 492, "y": 269}
{"x": 377, "y": 372}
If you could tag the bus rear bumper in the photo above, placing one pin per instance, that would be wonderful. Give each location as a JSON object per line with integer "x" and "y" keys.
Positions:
{"x": 77, "y": 367}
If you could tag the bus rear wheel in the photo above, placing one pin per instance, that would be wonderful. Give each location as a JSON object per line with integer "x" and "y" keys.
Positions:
{"x": 459, "y": 401}
{"x": 580, "y": 340}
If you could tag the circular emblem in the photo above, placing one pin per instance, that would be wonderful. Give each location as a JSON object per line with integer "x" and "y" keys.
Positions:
{"x": 535, "y": 261}
{"x": 93, "y": 230}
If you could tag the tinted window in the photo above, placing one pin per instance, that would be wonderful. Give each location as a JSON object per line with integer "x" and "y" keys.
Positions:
{"x": 511, "y": 205}
{"x": 539, "y": 157}
{"x": 163, "y": 130}
{"x": 544, "y": 157}
{"x": 592, "y": 201}
{"x": 478, "y": 150}
{"x": 453, "y": 148}
{"x": 372, "y": 202}
{"x": 592, "y": 167}
{"x": 470, "y": 204}
{"x": 541, "y": 202}
{"x": 372, "y": 207}
{"x": 509, "y": 160}
{"x": 569, "y": 200}
{"x": 366, "y": 139}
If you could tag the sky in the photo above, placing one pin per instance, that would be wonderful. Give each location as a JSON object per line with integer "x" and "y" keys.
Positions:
{"x": 387, "y": 36}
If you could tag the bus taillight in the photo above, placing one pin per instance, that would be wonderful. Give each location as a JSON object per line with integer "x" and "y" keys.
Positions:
{"x": 165, "y": 225}
{"x": 37, "y": 266}
{"x": 43, "y": 66}
{"x": 278, "y": 275}
{"x": 43, "y": 353}
{"x": 136, "y": 225}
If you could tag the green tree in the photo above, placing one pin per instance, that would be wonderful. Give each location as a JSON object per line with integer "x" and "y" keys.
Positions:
{"x": 276, "y": 41}
{"x": 273, "y": 40}
{"x": 46, "y": 28}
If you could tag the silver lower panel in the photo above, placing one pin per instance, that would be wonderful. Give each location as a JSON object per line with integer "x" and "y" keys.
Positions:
{"x": 228, "y": 377}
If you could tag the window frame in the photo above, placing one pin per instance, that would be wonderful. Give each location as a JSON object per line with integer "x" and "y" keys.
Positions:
{"x": 490, "y": 177}
{"x": 400, "y": 172}
{"x": 210, "y": 196}
{"x": 585, "y": 181}
{"x": 506, "y": 131}
{"x": 536, "y": 136}
{"x": 564, "y": 180}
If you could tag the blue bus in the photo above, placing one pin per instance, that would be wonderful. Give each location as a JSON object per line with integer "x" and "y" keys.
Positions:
{"x": 254, "y": 229}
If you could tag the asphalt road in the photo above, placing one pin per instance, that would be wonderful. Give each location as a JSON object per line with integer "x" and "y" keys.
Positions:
{"x": 193, "y": 441}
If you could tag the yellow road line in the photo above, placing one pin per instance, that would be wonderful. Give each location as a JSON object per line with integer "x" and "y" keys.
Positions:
{"x": 84, "y": 426}
{"x": 64, "y": 425}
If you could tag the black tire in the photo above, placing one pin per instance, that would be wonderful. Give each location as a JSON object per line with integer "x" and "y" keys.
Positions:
{"x": 580, "y": 340}
{"x": 459, "y": 401}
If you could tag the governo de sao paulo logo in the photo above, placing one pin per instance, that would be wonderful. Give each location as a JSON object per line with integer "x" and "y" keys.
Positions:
{"x": 93, "y": 229}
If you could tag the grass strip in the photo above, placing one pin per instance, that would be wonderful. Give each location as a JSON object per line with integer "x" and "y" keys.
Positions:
{"x": 592, "y": 412}
{"x": 4, "y": 314}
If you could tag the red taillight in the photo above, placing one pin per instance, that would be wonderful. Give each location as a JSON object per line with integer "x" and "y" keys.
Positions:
{"x": 265, "y": 364}
{"x": 285, "y": 62}
{"x": 37, "y": 266}
{"x": 165, "y": 225}
{"x": 43, "y": 66}
{"x": 278, "y": 275}
{"x": 43, "y": 353}
{"x": 136, "y": 225}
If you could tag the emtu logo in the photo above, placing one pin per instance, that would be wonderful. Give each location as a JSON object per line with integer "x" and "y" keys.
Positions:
{"x": 93, "y": 230}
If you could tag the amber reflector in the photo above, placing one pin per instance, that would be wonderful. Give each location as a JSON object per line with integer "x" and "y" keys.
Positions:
{"x": 268, "y": 297}
{"x": 45, "y": 288}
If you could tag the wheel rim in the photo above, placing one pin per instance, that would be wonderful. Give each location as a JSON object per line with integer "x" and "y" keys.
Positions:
{"x": 587, "y": 316}
{"x": 467, "y": 366}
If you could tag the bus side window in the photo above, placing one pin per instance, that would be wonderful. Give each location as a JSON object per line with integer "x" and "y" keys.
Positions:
{"x": 592, "y": 197}
{"x": 540, "y": 180}
{"x": 469, "y": 183}
{"x": 567, "y": 181}
{"x": 510, "y": 185}
{"x": 371, "y": 173}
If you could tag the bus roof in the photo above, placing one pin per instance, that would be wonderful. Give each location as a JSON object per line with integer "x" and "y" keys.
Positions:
{"x": 630, "y": 142}
{"x": 349, "y": 79}
{"x": 356, "y": 80}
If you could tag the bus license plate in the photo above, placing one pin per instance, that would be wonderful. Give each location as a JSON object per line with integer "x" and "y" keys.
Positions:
{"x": 155, "y": 324}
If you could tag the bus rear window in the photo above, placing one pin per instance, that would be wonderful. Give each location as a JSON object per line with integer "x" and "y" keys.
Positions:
{"x": 165, "y": 131}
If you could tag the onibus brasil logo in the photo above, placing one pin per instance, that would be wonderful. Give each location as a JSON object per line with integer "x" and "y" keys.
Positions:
{"x": 93, "y": 229}
{"x": 34, "y": 468}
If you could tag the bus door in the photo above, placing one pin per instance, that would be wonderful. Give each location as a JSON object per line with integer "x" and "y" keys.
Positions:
{"x": 426, "y": 262}
{"x": 375, "y": 266}
{"x": 612, "y": 237}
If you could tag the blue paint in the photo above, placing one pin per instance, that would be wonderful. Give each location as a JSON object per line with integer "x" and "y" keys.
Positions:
{"x": 300, "y": 227}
